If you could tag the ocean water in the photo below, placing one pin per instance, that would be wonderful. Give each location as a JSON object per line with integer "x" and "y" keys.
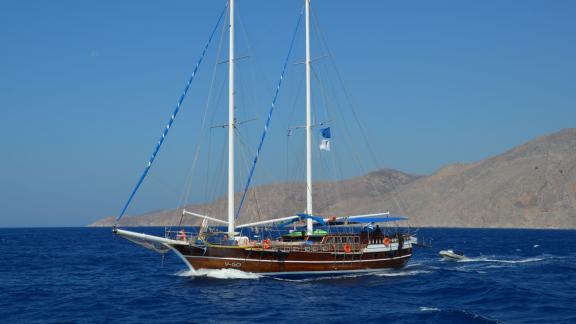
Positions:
{"x": 88, "y": 275}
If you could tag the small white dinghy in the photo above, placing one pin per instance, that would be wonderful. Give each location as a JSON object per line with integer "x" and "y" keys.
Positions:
{"x": 452, "y": 255}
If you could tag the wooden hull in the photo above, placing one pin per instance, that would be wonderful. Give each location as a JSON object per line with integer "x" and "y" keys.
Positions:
{"x": 258, "y": 260}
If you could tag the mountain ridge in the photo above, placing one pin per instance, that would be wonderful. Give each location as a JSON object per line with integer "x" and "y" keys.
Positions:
{"x": 532, "y": 185}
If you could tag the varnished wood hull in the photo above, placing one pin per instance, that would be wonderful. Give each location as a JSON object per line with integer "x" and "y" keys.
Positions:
{"x": 277, "y": 261}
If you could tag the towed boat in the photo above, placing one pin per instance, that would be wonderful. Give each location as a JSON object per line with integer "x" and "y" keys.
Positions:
{"x": 452, "y": 255}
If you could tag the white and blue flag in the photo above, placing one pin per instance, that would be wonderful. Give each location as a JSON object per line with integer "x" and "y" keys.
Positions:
{"x": 326, "y": 136}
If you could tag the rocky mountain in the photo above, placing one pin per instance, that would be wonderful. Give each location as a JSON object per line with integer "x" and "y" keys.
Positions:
{"x": 270, "y": 201}
{"x": 530, "y": 186}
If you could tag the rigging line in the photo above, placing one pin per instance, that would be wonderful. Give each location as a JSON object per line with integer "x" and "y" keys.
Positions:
{"x": 210, "y": 206}
{"x": 292, "y": 110}
{"x": 209, "y": 156}
{"x": 330, "y": 117}
{"x": 334, "y": 151}
{"x": 248, "y": 77}
{"x": 207, "y": 175}
{"x": 346, "y": 92}
{"x": 348, "y": 138}
{"x": 258, "y": 210}
{"x": 219, "y": 173}
{"x": 209, "y": 101}
{"x": 336, "y": 167}
{"x": 244, "y": 154}
{"x": 295, "y": 91}
{"x": 269, "y": 115}
{"x": 246, "y": 161}
{"x": 347, "y": 132}
{"x": 216, "y": 178}
{"x": 353, "y": 107}
{"x": 213, "y": 195}
{"x": 188, "y": 184}
{"x": 246, "y": 149}
{"x": 167, "y": 128}
{"x": 251, "y": 50}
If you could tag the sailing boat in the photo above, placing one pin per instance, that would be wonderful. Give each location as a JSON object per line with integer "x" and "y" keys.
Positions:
{"x": 314, "y": 249}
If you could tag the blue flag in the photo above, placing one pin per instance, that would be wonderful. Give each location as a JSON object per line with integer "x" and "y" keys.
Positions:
{"x": 326, "y": 132}
{"x": 325, "y": 143}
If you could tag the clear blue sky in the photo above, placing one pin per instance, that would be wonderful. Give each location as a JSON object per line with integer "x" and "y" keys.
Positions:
{"x": 86, "y": 86}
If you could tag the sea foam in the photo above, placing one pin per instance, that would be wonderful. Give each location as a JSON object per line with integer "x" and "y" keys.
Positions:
{"x": 219, "y": 274}
{"x": 484, "y": 259}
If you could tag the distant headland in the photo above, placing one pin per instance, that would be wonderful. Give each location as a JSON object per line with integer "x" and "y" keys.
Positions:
{"x": 530, "y": 186}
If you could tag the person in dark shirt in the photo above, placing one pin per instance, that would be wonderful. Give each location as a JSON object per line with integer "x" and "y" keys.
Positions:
{"x": 378, "y": 235}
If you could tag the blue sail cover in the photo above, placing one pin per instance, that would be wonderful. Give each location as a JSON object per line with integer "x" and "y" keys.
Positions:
{"x": 302, "y": 217}
{"x": 314, "y": 218}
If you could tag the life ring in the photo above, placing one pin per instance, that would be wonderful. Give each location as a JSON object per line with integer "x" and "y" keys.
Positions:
{"x": 386, "y": 241}
{"x": 183, "y": 234}
{"x": 347, "y": 248}
{"x": 266, "y": 244}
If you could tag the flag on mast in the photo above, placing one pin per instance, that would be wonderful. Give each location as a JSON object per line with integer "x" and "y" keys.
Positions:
{"x": 325, "y": 142}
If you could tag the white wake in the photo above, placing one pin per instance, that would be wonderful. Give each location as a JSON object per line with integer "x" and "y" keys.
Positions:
{"x": 428, "y": 309}
{"x": 485, "y": 259}
{"x": 219, "y": 274}
{"x": 401, "y": 273}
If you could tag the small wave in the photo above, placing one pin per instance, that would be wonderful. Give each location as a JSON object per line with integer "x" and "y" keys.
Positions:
{"x": 536, "y": 245}
{"x": 418, "y": 264}
{"x": 484, "y": 259}
{"x": 381, "y": 273}
{"x": 475, "y": 269}
{"x": 459, "y": 315}
{"x": 429, "y": 309}
{"x": 218, "y": 274}
{"x": 322, "y": 278}
{"x": 401, "y": 273}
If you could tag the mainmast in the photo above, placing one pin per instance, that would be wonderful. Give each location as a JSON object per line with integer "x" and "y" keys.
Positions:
{"x": 308, "y": 125}
{"x": 231, "y": 123}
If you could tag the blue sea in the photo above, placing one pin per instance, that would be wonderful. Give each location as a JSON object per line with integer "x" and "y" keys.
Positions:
{"x": 87, "y": 275}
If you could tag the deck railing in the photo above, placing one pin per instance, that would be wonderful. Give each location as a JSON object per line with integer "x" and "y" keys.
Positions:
{"x": 340, "y": 247}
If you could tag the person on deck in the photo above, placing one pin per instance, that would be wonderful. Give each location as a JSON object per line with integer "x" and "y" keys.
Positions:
{"x": 378, "y": 235}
